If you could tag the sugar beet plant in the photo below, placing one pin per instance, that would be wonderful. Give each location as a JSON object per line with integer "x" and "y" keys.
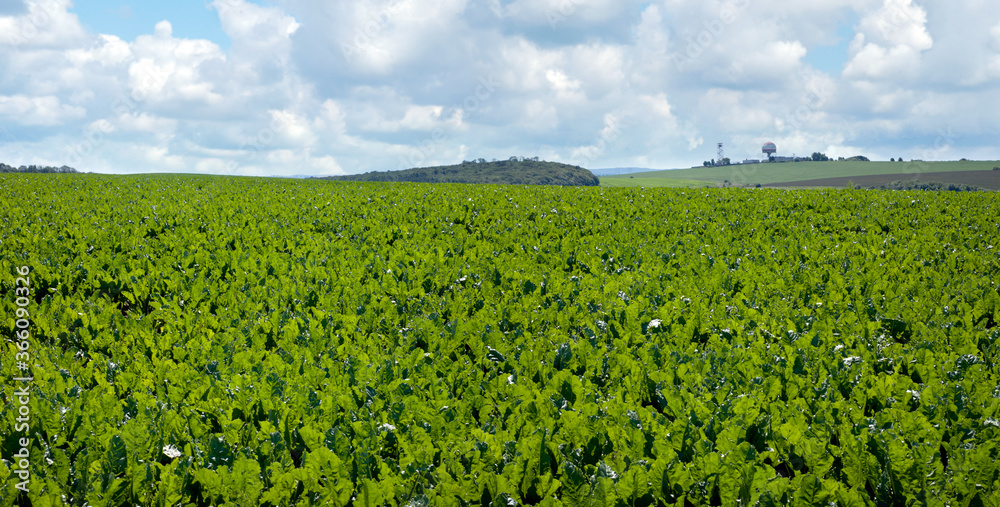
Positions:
{"x": 211, "y": 341}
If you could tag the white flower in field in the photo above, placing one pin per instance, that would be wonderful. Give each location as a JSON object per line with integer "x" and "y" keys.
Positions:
{"x": 387, "y": 427}
{"x": 171, "y": 452}
{"x": 851, "y": 360}
{"x": 655, "y": 323}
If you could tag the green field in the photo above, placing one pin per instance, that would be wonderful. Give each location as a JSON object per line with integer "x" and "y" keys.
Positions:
{"x": 987, "y": 180}
{"x": 764, "y": 174}
{"x": 649, "y": 182}
{"x": 201, "y": 341}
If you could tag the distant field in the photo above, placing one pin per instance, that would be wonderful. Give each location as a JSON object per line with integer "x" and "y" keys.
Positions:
{"x": 626, "y": 181}
{"x": 985, "y": 179}
{"x": 792, "y": 172}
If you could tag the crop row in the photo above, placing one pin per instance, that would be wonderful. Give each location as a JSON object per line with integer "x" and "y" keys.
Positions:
{"x": 213, "y": 341}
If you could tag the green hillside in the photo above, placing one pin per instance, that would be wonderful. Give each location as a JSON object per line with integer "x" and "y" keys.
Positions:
{"x": 788, "y": 172}
{"x": 503, "y": 172}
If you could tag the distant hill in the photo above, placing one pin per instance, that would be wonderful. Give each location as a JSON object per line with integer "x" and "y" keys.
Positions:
{"x": 503, "y": 172}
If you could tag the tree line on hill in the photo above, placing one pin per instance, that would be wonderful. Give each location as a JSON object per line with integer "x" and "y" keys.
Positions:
{"x": 815, "y": 157}
{"x": 513, "y": 171}
{"x": 935, "y": 186}
{"x": 4, "y": 168}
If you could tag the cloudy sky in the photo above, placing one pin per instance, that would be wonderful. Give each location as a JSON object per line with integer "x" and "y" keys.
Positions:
{"x": 288, "y": 87}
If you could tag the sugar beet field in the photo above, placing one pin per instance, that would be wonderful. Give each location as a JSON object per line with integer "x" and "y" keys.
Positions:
{"x": 183, "y": 340}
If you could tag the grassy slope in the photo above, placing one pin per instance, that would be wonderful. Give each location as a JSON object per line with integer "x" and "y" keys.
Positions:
{"x": 790, "y": 172}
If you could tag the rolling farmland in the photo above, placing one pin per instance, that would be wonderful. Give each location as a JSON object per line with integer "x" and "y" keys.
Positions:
{"x": 791, "y": 173}
{"x": 238, "y": 341}
{"x": 983, "y": 179}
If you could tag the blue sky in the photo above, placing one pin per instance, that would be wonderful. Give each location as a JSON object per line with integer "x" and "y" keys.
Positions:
{"x": 831, "y": 58}
{"x": 192, "y": 19}
{"x": 283, "y": 87}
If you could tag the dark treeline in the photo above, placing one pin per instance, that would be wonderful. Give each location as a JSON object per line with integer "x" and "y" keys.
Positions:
{"x": 4, "y": 168}
{"x": 513, "y": 171}
{"x": 930, "y": 185}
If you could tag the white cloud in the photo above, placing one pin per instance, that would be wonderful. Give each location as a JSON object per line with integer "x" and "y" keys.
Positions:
{"x": 877, "y": 62}
{"x": 42, "y": 111}
{"x": 735, "y": 110}
{"x": 144, "y": 122}
{"x": 889, "y": 42}
{"x": 326, "y": 166}
{"x": 107, "y": 50}
{"x": 564, "y": 87}
{"x": 555, "y": 13}
{"x": 170, "y": 69}
{"x": 255, "y": 30}
{"x": 46, "y": 24}
{"x": 651, "y": 60}
{"x": 539, "y": 115}
{"x": 212, "y": 166}
{"x": 329, "y": 87}
{"x": 898, "y": 23}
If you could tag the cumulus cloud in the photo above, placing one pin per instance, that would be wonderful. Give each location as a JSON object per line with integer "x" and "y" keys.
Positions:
{"x": 309, "y": 86}
{"x": 43, "y": 111}
{"x": 889, "y": 42}
{"x": 40, "y": 24}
